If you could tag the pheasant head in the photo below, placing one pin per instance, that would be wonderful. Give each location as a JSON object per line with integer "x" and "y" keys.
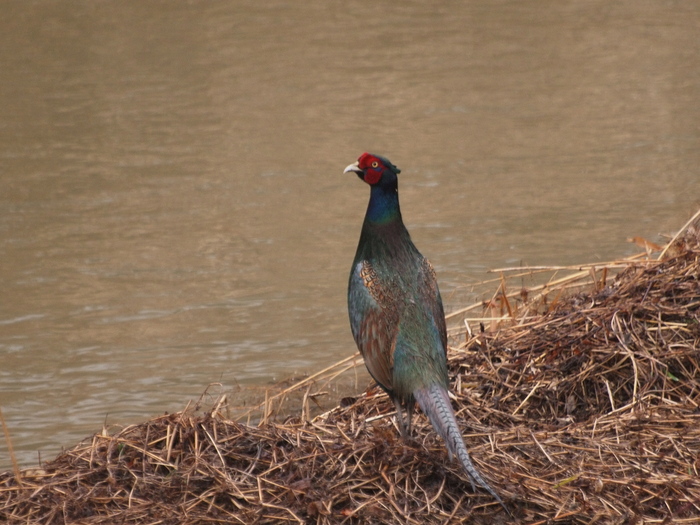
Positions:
{"x": 374, "y": 169}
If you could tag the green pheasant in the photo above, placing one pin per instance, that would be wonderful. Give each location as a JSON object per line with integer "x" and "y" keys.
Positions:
{"x": 396, "y": 314}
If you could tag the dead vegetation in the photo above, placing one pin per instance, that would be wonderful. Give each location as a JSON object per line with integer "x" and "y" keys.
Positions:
{"x": 580, "y": 407}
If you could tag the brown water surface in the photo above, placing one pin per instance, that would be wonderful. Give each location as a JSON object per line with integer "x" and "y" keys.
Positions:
{"x": 173, "y": 210}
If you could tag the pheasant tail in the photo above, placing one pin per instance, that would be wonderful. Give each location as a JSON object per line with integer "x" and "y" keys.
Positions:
{"x": 435, "y": 403}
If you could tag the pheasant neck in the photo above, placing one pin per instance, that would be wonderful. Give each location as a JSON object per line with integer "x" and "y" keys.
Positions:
{"x": 383, "y": 206}
{"x": 384, "y": 236}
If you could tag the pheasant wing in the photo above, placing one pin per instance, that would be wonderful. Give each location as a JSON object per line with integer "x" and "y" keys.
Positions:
{"x": 374, "y": 322}
{"x": 429, "y": 295}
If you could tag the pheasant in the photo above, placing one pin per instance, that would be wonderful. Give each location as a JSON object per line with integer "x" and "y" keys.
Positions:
{"x": 396, "y": 314}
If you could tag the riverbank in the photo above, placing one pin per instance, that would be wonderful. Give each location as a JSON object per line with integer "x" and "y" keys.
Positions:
{"x": 579, "y": 398}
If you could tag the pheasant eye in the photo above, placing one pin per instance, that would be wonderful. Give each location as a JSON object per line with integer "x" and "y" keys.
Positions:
{"x": 375, "y": 164}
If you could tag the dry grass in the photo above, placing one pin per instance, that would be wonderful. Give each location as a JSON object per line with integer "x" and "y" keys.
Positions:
{"x": 580, "y": 407}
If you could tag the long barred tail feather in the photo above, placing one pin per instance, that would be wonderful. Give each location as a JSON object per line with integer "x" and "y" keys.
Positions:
{"x": 435, "y": 403}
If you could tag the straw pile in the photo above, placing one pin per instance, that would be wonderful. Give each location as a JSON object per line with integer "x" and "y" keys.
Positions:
{"x": 578, "y": 408}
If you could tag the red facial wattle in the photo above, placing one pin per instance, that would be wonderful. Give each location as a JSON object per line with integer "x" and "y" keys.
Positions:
{"x": 372, "y": 168}
{"x": 365, "y": 160}
{"x": 372, "y": 175}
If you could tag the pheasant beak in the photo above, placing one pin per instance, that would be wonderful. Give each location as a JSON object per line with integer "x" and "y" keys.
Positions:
{"x": 355, "y": 168}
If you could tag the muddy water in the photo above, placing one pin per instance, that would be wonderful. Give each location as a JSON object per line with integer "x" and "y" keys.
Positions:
{"x": 173, "y": 210}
